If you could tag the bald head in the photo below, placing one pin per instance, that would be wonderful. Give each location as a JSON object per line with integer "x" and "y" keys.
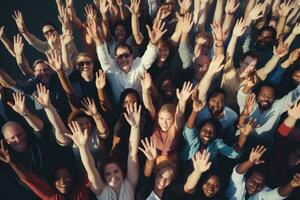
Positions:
{"x": 15, "y": 136}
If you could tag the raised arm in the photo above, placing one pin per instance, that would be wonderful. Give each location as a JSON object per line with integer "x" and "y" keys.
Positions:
{"x": 183, "y": 96}
{"x": 245, "y": 130}
{"x": 287, "y": 189}
{"x": 201, "y": 164}
{"x": 218, "y": 15}
{"x": 65, "y": 20}
{"x": 200, "y": 13}
{"x": 73, "y": 16}
{"x": 214, "y": 67}
{"x": 80, "y": 138}
{"x": 65, "y": 40}
{"x": 20, "y": 56}
{"x": 43, "y": 97}
{"x": 294, "y": 56}
{"x": 8, "y": 44}
{"x": 150, "y": 152}
{"x": 218, "y": 36}
{"x": 293, "y": 34}
{"x": 293, "y": 115}
{"x": 198, "y": 105}
{"x": 146, "y": 83}
{"x": 19, "y": 106}
{"x": 133, "y": 117}
{"x": 100, "y": 85}
{"x": 254, "y": 159}
{"x": 104, "y": 10}
{"x": 283, "y": 12}
{"x": 134, "y": 9}
{"x": 91, "y": 110}
{"x": 185, "y": 6}
{"x": 186, "y": 24}
{"x": 230, "y": 9}
{"x": 122, "y": 11}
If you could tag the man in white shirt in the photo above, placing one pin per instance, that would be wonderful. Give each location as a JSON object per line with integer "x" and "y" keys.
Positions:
{"x": 253, "y": 187}
{"x": 123, "y": 71}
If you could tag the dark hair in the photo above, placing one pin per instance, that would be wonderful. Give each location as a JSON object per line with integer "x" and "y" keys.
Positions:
{"x": 206, "y": 36}
{"x": 48, "y": 23}
{"x": 123, "y": 44}
{"x": 267, "y": 28}
{"x": 217, "y": 126}
{"x": 261, "y": 169}
{"x": 111, "y": 160}
{"x": 251, "y": 54}
{"x": 62, "y": 166}
{"x": 125, "y": 93}
{"x": 264, "y": 84}
{"x": 216, "y": 92}
{"x": 38, "y": 61}
{"x": 73, "y": 116}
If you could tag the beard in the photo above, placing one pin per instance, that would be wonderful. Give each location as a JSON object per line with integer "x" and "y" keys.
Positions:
{"x": 262, "y": 45}
{"x": 265, "y": 105}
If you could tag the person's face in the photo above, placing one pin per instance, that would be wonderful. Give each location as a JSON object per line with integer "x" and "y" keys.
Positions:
{"x": 265, "y": 40}
{"x": 163, "y": 52}
{"x": 63, "y": 181}
{"x": 85, "y": 65}
{"x": 129, "y": 99}
{"x": 201, "y": 46}
{"x": 15, "y": 136}
{"x": 296, "y": 77}
{"x": 124, "y": 59}
{"x": 294, "y": 158}
{"x": 85, "y": 123}
{"x": 113, "y": 175}
{"x": 207, "y": 133}
{"x": 167, "y": 89}
{"x": 200, "y": 66}
{"x": 255, "y": 183}
{"x": 43, "y": 72}
{"x": 165, "y": 120}
{"x": 216, "y": 104}
{"x": 211, "y": 187}
{"x": 49, "y": 30}
{"x": 248, "y": 63}
{"x": 163, "y": 178}
{"x": 120, "y": 33}
{"x": 265, "y": 97}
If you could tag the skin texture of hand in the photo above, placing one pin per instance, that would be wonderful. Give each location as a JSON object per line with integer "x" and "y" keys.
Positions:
{"x": 248, "y": 127}
{"x": 2, "y": 32}
{"x": 285, "y": 8}
{"x": 215, "y": 65}
{"x": 187, "y": 23}
{"x": 217, "y": 32}
{"x": 4, "y": 153}
{"x": 79, "y": 136}
{"x": 294, "y": 110}
{"x": 17, "y": 16}
{"x": 201, "y": 161}
{"x": 149, "y": 149}
{"x": 256, "y": 154}
{"x": 186, "y": 92}
{"x": 134, "y": 7}
{"x": 100, "y": 79}
{"x": 133, "y": 114}
{"x": 281, "y": 50}
{"x": 296, "y": 30}
{"x": 54, "y": 59}
{"x": 66, "y": 38}
{"x": 294, "y": 56}
{"x": 231, "y": 7}
{"x": 119, "y": 3}
{"x": 146, "y": 81}
{"x": 51, "y": 39}
{"x": 198, "y": 105}
{"x": 256, "y": 12}
{"x": 164, "y": 11}
{"x": 239, "y": 28}
{"x": 90, "y": 12}
{"x": 19, "y": 103}
{"x": 249, "y": 105}
{"x": 43, "y": 95}
{"x": 18, "y": 45}
{"x": 185, "y": 5}
{"x": 157, "y": 31}
{"x": 89, "y": 106}
{"x": 296, "y": 180}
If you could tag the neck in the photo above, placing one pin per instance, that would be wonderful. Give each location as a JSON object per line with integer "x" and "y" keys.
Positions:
{"x": 158, "y": 192}
{"x": 88, "y": 77}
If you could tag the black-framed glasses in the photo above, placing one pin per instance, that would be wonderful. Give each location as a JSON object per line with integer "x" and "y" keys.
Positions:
{"x": 124, "y": 55}
{"x": 82, "y": 63}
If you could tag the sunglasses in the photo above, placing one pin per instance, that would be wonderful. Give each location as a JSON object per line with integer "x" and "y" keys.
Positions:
{"x": 49, "y": 31}
{"x": 82, "y": 63}
{"x": 125, "y": 55}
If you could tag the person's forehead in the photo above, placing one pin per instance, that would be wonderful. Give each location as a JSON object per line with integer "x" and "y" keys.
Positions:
{"x": 12, "y": 130}
{"x": 84, "y": 58}
{"x": 47, "y": 27}
{"x": 257, "y": 177}
{"x": 202, "y": 60}
{"x": 120, "y": 28}
{"x": 41, "y": 65}
{"x": 122, "y": 50}
{"x": 266, "y": 89}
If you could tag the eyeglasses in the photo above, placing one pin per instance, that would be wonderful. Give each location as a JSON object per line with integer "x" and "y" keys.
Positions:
{"x": 82, "y": 63}
{"x": 49, "y": 31}
{"x": 125, "y": 55}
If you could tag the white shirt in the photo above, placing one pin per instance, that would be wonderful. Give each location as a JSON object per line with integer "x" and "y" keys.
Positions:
{"x": 237, "y": 190}
{"x": 153, "y": 196}
{"x": 118, "y": 79}
{"x": 126, "y": 192}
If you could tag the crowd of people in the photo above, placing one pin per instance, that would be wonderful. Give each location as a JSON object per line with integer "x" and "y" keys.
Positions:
{"x": 165, "y": 99}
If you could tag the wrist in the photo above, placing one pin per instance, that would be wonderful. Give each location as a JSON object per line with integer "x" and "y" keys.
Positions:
{"x": 153, "y": 43}
{"x": 219, "y": 43}
{"x": 24, "y": 113}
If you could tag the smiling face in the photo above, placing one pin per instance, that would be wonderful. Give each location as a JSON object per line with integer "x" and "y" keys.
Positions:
{"x": 49, "y": 30}
{"x": 85, "y": 123}
{"x": 85, "y": 65}
{"x": 129, "y": 99}
{"x": 16, "y": 137}
{"x": 63, "y": 181}
{"x": 249, "y": 63}
{"x": 265, "y": 97}
{"x": 207, "y": 133}
{"x": 120, "y": 33}
{"x": 265, "y": 40}
{"x": 255, "y": 183}
{"x": 163, "y": 178}
{"x": 200, "y": 66}
{"x": 113, "y": 175}
{"x": 211, "y": 187}
{"x": 162, "y": 51}
{"x": 216, "y": 104}
{"x": 165, "y": 120}
{"x": 43, "y": 72}
{"x": 124, "y": 58}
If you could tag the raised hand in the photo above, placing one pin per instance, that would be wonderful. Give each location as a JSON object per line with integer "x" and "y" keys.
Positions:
{"x": 296, "y": 29}
{"x": 18, "y": 45}
{"x": 80, "y": 137}
{"x": 52, "y": 40}
{"x": 146, "y": 81}
{"x": 163, "y": 12}
{"x": 119, "y": 3}
{"x": 69, "y": 3}
{"x": 249, "y": 105}
{"x": 186, "y": 91}
{"x": 294, "y": 111}
{"x": 294, "y": 56}
{"x": 133, "y": 114}
{"x": 285, "y": 8}
{"x": 217, "y": 32}
{"x": 92, "y": 30}
{"x": 90, "y": 13}
{"x": 248, "y": 127}
{"x": 198, "y": 105}
{"x": 231, "y": 7}
{"x": 66, "y": 38}
{"x": 100, "y": 79}
{"x": 103, "y": 5}
{"x": 54, "y": 59}
{"x": 2, "y": 32}
{"x": 187, "y": 23}
{"x": 149, "y": 149}
{"x": 19, "y": 104}
{"x": 17, "y": 16}
{"x": 89, "y": 106}
{"x": 157, "y": 31}
{"x": 239, "y": 28}
{"x": 4, "y": 153}
{"x": 43, "y": 95}
{"x": 215, "y": 65}
{"x": 134, "y": 7}
{"x": 185, "y": 5}
{"x": 281, "y": 50}
{"x": 256, "y": 12}
{"x": 64, "y": 17}
{"x": 295, "y": 182}
{"x": 201, "y": 161}
{"x": 256, "y": 154}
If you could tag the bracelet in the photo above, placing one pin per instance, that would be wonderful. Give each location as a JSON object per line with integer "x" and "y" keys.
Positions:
{"x": 222, "y": 45}
{"x": 153, "y": 43}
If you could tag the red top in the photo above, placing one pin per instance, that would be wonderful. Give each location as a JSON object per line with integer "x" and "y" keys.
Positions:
{"x": 284, "y": 130}
{"x": 46, "y": 192}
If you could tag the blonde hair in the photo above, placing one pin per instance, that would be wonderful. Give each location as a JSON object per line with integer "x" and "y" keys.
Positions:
{"x": 170, "y": 108}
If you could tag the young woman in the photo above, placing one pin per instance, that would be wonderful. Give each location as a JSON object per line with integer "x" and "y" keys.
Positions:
{"x": 63, "y": 185}
{"x": 115, "y": 183}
